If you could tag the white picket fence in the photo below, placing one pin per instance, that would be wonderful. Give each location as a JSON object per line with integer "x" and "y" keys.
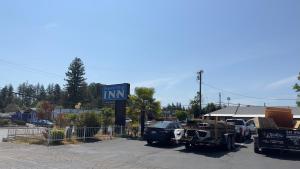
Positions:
{"x": 52, "y": 135}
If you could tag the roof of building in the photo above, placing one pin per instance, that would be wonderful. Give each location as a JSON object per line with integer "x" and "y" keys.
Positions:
{"x": 248, "y": 111}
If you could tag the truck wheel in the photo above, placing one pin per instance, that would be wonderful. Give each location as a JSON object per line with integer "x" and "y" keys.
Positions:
{"x": 232, "y": 143}
{"x": 256, "y": 148}
{"x": 242, "y": 139}
{"x": 249, "y": 136}
{"x": 228, "y": 144}
{"x": 149, "y": 142}
{"x": 188, "y": 146}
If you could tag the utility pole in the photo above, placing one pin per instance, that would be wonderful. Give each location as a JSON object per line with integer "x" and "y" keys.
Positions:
{"x": 220, "y": 99}
{"x": 142, "y": 119}
{"x": 142, "y": 116}
{"x": 199, "y": 77}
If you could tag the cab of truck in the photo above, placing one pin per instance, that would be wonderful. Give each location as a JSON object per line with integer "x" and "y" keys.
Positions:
{"x": 242, "y": 130}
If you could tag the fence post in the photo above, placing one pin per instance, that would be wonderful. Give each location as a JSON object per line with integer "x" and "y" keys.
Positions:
{"x": 8, "y": 130}
{"x": 84, "y": 133}
{"x": 111, "y": 134}
{"x": 49, "y": 135}
{"x": 121, "y": 131}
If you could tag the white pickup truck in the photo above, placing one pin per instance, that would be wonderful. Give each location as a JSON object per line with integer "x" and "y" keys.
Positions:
{"x": 241, "y": 128}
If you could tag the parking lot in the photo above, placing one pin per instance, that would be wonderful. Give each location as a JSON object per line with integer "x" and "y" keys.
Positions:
{"x": 135, "y": 154}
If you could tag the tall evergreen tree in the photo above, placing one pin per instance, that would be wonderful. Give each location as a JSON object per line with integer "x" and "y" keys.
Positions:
{"x": 94, "y": 96}
{"x": 10, "y": 95}
{"x": 42, "y": 93}
{"x": 75, "y": 82}
{"x": 3, "y": 97}
{"x": 57, "y": 94}
{"x": 50, "y": 93}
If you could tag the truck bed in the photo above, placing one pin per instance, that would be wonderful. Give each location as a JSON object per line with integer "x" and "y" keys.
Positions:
{"x": 283, "y": 139}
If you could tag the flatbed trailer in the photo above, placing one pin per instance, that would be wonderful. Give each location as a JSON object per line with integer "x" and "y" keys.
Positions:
{"x": 209, "y": 133}
{"x": 279, "y": 139}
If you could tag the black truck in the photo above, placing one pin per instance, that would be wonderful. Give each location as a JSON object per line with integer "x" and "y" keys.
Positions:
{"x": 280, "y": 139}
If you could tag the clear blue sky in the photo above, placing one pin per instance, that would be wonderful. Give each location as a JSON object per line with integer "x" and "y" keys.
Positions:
{"x": 248, "y": 47}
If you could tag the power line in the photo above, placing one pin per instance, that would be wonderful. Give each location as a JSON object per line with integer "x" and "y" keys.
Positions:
{"x": 246, "y": 96}
{"x": 29, "y": 68}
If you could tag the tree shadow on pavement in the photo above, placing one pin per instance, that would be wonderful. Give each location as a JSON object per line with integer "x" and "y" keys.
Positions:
{"x": 214, "y": 152}
{"x": 135, "y": 138}
{"x": 164, "y": 145}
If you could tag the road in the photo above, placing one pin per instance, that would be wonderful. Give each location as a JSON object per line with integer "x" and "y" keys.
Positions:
{"x": 134, "y": 154}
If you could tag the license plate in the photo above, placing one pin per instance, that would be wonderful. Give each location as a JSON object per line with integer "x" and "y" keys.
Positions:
{"x": 153, "y": 132}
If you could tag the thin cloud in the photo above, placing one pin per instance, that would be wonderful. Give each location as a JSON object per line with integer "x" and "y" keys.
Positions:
{"x": 50, "y": 26}
{"x": 160, "y": 82}
{"x": 288, "y": 81}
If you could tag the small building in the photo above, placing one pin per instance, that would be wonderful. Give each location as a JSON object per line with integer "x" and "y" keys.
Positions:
{"x": 26, "y": 116}
{"x": 246, "y": 112}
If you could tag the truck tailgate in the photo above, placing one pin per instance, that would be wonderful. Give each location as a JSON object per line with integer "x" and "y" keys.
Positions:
{"x": 279, "y": 138}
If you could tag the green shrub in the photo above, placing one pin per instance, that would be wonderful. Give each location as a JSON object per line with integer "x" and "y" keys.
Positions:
{"x": 71, "y": 117}
{"x": 4, "y": 122}
{"x": 20, "y": 122}
{"x": 181, "y": 115}
{"x": 89, "y": 120}
{"x": 57, "y": 135}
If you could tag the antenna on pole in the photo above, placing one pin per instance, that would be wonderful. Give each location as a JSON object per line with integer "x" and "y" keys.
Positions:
{"x": 228, "y": 99}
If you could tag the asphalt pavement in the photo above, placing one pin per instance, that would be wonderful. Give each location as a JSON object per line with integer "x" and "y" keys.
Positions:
{"x": 134, "y": 154}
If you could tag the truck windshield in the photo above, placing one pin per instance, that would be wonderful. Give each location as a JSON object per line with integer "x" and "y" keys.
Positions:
{"x": 161, "y": 124}
{"x": 236, "y": 122}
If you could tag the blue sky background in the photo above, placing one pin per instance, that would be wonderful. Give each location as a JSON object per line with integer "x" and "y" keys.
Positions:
{"x": 248, "y": 47}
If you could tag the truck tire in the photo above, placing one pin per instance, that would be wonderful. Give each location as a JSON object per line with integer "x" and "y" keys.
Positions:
{"x": 249, "y": 136}
{"x": 228, "y": 144}
{"x": 232, "y": 143}
{"x": 149, "y": 142}
{"x": 256, "y": 148}
{"x": 242, "y": 139}
{"x": 188, "y": 146}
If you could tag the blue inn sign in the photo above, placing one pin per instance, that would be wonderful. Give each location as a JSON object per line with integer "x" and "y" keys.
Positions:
{"x": 115, "y": 92}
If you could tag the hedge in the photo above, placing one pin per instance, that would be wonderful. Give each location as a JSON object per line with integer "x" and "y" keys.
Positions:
{"x": 57, "y": 135}
{"x": 4, "y": 122}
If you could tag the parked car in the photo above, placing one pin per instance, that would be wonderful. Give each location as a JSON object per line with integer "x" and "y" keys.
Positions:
{"x": 161, "y": 131}
{"x": 43, "y": 123}
{"x": 148, "y": 123}
{"x": 242, "y": 130}
{"x": 128, "y": 120}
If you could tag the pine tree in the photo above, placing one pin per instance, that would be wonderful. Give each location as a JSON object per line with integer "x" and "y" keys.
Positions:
{"x": 75, "y": 82}
{"x": 42, "y": 93}
{"x": 57, "y": 94}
